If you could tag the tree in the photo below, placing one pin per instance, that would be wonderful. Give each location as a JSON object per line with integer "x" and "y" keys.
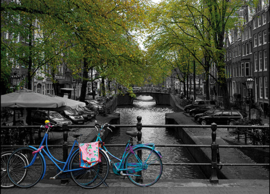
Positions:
{"x": 199, "y": 27}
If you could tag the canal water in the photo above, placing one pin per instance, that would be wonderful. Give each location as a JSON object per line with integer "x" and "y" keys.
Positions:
{"x": 152, "y": 114}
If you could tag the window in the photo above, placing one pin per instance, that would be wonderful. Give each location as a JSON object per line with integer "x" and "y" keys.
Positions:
{"x": 264, "y": 18}
{"x": 250, "y": 47}
{"x": 266, "y": 88}
{"x": 242, "y": 70}
{"x": 233, "y": 87}
{"x": 18, "y": 38}
{"x": 255, "y": 40}
{"x": 254, "y": 25}
{"x": 249, "y": 30}
{"x": 264, "y": 37}
{"x": 259, "y": 21}
{"x": 260, "y": 38}
{"x": 247, "y": 48}
{"x": 5, "y": 35}
{"x": 247, "y": 70}
{"x": 256, "y": 65}
{"x": 243, "y": 50}
{"x": 261, "y": 87}
{"x": 265, "y": 60}
{"x": 239, "y": 50}
{"x": 260, "y": 60}
{"x": 225, "y": 113}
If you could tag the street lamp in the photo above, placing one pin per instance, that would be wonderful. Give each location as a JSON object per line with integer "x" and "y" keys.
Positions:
{"x": 249, "y": 84}
{"x": 14, "y": 80}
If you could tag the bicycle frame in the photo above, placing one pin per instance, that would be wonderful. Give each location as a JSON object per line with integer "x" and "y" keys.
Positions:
{"x": 54, "y": 160}
{"x": 128, "y": 149}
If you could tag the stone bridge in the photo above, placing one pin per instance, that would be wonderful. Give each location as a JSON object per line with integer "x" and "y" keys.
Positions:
{"x": 162, "y": 97}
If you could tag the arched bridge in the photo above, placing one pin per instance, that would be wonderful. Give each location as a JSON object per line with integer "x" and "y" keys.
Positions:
{"x": 160, "y": 95}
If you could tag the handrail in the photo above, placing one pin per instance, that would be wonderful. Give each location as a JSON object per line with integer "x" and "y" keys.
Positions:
{"x": 214, "y": 147}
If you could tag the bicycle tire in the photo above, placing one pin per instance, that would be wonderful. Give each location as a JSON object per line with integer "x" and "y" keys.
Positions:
{"x": 149, "y": 174}
{"x": 89, "y": 178}
{"x": 34, "y": 172}
{"x": 5, "y": 181}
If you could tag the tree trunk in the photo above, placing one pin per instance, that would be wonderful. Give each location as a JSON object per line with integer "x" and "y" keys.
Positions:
{"x": 30, "y": 61}
{"x": 103, "y": 91}
{"x": 84, "y": 82}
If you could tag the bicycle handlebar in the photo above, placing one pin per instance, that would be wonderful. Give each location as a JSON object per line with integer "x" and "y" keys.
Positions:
{"x": 105, "y": 126}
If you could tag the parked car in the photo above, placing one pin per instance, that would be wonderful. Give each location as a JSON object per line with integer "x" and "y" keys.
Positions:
{"x": 222, "y": 117}
{"x": 38, "y": 117}
{"x": 71, "y": 114}
{"x": 197, "y": 103}
{"x": 96, "y": 106}
{"x": 198, "y": 116}
{"x": 200, "y": 109}
{"x": 86, "y": 113}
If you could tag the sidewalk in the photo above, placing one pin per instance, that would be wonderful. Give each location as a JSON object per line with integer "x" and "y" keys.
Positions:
{"x": 123, "y": 186}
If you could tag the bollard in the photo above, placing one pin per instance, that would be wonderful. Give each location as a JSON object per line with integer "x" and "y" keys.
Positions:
{"x": 65, "y": 149}
{"x": 139, "y": 141}
{"x": 214, "y": 148}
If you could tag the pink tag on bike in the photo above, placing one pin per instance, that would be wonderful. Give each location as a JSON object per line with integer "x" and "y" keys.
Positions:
{"x": 89, "y": 153}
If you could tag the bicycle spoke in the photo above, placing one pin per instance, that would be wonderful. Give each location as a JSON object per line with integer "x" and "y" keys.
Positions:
{"x": 91, "y": 177}
{"x": 146, "y": 170}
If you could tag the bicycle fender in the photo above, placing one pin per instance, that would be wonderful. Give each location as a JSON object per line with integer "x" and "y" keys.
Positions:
{"x": 43, "y": 161}
{"x": 68, "y": 164}
{"x": 150, "y": 147}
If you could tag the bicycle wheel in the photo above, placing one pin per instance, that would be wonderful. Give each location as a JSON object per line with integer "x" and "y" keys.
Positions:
{"x": 89, "y": 178}
{"x": 146, "y": 170}
{"x": 19, "y": 160}
{"x": 16, "y": 171}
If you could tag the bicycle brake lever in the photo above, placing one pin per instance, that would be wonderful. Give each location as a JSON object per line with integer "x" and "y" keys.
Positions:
{"x": 110, "y": 129}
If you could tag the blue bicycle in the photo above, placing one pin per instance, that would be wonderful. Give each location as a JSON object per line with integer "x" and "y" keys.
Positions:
{"x": 25, "y": 176}
{"x": 141, "y": 163}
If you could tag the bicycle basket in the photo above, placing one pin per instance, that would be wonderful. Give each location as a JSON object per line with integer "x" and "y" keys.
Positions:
{"x": 89, "y": 154}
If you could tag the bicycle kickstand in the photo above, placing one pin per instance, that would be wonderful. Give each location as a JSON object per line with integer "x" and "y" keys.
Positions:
{"x": 54, "y": 177}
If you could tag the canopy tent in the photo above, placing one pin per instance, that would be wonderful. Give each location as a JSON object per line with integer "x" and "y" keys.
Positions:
{"x": 29, "y": 99}
{"x": 69, "y": 102}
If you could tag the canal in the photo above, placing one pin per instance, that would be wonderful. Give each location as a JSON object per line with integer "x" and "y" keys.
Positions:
{"x": 146, "y": 107}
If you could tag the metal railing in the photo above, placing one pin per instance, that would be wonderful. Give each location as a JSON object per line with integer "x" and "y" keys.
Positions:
{"x": 215, "y": 163}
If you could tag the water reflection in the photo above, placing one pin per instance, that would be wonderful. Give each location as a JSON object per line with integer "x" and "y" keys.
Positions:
{"x": 145, "y": 106}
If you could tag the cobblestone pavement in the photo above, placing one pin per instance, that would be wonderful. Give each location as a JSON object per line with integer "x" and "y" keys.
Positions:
{"x": 194, "y": 186}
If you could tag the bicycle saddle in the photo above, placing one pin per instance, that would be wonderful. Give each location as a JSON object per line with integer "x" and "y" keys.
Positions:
{"x": 132, "y": 133}
{"x": 76, "y": 135}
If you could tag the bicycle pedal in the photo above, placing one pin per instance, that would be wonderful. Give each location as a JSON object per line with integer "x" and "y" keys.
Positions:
{"x": 52, "y": 178}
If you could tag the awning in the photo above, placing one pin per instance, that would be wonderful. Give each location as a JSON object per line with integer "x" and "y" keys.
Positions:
{"x": 70, "y": 102}
{"x": 29, "y": 99}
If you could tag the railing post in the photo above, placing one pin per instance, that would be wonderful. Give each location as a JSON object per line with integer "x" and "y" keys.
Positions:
{"x": 139, "y": 128}
{"x": 139, "y": 141}
{"x": 65, "y": 149}
{"x": 214, "y": 148}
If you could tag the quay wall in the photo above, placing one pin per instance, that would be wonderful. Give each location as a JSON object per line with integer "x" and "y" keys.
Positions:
{"x": 197, "y": 153}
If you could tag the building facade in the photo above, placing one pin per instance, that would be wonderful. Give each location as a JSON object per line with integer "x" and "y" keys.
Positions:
{"x": 247, "y": 56}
